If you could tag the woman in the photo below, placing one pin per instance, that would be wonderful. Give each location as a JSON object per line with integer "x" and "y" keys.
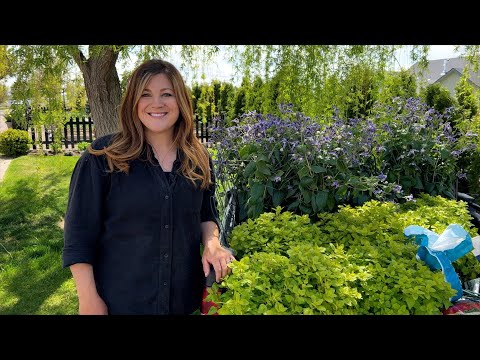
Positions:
{"x": 141, "y": 203}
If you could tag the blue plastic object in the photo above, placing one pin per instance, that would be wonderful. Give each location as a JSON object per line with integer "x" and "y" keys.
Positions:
{"x": 439, "y": 251}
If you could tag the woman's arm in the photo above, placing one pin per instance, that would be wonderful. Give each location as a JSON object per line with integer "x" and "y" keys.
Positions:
{"x": 213, "y": 252}
{"x": 89, "y": 302}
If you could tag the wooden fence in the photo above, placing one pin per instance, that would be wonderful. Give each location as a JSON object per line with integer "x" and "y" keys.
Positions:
{"x": 78, "y": 130}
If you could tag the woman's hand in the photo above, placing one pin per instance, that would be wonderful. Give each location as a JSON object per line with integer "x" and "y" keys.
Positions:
{"x": 219, "y": 257}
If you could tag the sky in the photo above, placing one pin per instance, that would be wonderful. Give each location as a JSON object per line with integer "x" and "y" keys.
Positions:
{"x": 442, "y": 52}
{"x": 436, "y": 52}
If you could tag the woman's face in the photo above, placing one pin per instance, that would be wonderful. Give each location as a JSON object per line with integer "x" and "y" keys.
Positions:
{"x": 158, "y": 108}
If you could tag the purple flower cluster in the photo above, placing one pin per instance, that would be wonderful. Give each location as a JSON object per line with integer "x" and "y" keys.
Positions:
{"x": 294, "y": 161}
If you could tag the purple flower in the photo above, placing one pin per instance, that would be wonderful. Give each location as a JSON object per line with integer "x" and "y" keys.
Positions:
{"x": 397, "y": 189}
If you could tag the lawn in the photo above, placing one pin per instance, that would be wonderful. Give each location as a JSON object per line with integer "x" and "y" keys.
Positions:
{"x": 33, "y": 199}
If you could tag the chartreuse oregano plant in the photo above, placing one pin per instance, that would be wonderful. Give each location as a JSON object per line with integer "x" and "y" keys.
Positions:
{"x": 356, "y": 261}
{"x": 273, "y": 232}
{"x": 379, "y": 225}
{"x": 309, "y": 280}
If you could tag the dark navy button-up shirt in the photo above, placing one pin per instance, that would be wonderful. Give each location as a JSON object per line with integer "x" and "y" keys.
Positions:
{"x": 140, "y": 232}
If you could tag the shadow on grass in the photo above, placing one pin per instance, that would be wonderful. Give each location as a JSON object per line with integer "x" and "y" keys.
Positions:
{"x": 29, "y": 217}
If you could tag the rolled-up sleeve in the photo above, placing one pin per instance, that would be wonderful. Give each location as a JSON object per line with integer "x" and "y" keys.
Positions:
{"x": 84, "y": 214}
{"x": 209, "y": 210}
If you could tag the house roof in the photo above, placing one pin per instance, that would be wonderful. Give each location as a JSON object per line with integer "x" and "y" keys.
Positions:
{"x": 437, "y": 69}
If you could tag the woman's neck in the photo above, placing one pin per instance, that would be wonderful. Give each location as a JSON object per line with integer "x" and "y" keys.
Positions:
{"x": 162, "y": 144}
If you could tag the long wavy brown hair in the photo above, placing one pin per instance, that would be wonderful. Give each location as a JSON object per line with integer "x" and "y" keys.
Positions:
{"x": 129, "y": 143}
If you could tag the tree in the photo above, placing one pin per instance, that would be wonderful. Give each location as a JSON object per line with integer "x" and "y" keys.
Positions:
{"x": 238, "y": 107}
{"x": 310, "y": 76}
{"x": 4, "y": 62}
{"x": 97, "y": 64}
{"x": 362, "y": 91}
{"x": 227, "y": 94}
{"x": 464, "y": 93}
{"x": 3, "y": 93}
{"x": 255, "y": 97}
{"x": 398, "y": 84}
{"x": 438, "y": 97}
{"x": 4, "y": 70}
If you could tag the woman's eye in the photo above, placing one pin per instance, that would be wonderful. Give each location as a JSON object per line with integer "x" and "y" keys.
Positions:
{"x": 145, "y": 95}
{"x": 167, "y": 94}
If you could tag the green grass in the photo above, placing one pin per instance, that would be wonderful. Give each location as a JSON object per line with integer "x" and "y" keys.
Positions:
{"x": 33, "y": 199}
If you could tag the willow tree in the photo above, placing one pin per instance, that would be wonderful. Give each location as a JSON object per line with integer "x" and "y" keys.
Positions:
{"x": 314, "y": 77}
{"x": 4, "y": 62}
{"x": 4, "y": 70}
{"x": 97, "y": 64}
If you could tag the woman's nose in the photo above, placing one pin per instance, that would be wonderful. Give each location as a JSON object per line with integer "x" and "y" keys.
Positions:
{"x": 158, "y": 100}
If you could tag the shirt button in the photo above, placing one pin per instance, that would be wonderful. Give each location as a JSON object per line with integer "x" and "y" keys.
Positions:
{"x": 166, "y": 197}
{"x": 165, "y": 256}
{"x": 164, "y": 283}
{"x": 166, "y": 226}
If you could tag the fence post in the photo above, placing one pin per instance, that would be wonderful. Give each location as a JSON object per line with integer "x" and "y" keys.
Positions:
{"x": 47, "y": 140}
{"x": 65, "y": 135}
{"x": 72, "y": 139}
{"x": 32, "y": 131}
{"x": 90, "y": 124}
{"x": 77, "y": 123}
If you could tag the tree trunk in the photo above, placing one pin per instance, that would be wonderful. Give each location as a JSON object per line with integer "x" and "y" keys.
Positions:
{"x": 103, "y": 89}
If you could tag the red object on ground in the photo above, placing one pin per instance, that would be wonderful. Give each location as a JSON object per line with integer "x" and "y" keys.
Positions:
{"x": 463, "y": 308}
{"x": 206, "y": 305}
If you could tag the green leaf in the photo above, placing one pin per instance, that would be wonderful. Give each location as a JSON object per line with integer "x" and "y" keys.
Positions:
{"x": 307, "y": 195}
{"x": 257, "y": 191}
{"x": 303, "y": 172}
{"x": 291, "y": 191}
{"x": 249, "y": 169}
{"x": 245, "y": 151}
{"x": 342, "y": 191}
{"x": 341, "y": 166}
{"x": 293, "y": 206}
{"x": 418, "y": 182}
{"x": 263, "y": 168}
{"x": 301, "y": 149}
{"x": 305, "y": 209}
{"x": 429, "y": 187}
{"x": 306, "y": 181}
{"x": 331, "y": 201}
{"x": 276, "y": 155}
{"x": 270, "y": 188}
{"x": 321, "y": 200}
{"x": 313, "y": 202}
{"x": 362, "y": 199}
{"x": 406, "y": 182}
{"x": 449, "y": 194}
{"x": 318, "y": 169}
{"x": 263, "y": 157}
{"x": 445, "y": 154}
{"x": 278, "y": 197}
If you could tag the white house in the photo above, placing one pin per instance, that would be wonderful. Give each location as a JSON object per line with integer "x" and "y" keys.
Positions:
{"x": 446, "y": 72}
